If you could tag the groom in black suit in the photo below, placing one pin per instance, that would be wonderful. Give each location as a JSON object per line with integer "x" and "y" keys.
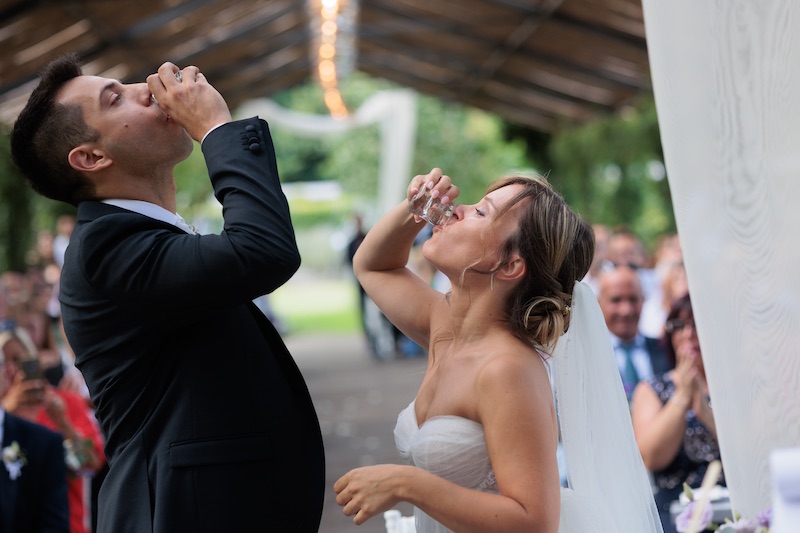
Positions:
{"x": 208, "y": 422}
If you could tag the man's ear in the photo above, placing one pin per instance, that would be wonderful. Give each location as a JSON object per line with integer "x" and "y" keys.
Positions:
{"x": 88, "y": 158}
{"x": 513, "y": 269}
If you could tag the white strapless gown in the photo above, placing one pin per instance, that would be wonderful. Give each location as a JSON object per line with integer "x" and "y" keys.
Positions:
{"x": 454, "y": 448}
{"x": 451, "y": 447}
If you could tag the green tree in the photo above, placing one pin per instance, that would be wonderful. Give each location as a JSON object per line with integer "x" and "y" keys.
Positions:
{"x": 611, "y": 170}
{"x": 15, "y": 213}
{"x": 22, "y": 212}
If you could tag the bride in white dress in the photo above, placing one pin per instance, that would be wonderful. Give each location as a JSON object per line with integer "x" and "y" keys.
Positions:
{"x": 481, "y": 435}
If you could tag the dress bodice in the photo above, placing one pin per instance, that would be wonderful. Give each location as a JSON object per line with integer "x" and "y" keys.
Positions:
{"x": 451, "y": 447}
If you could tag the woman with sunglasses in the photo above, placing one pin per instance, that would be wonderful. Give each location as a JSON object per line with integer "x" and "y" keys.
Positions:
{"x": 672, "y": 417}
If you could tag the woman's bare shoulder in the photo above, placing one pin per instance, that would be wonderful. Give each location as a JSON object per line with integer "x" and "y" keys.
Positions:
{"x": 512, "y": 363}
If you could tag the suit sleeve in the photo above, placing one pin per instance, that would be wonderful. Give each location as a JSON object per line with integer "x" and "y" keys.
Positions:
{"x": 135, "y": 259}
{"x": 54, "y": 515}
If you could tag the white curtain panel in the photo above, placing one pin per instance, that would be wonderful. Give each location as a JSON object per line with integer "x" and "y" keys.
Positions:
{"x": 726, "y": 76}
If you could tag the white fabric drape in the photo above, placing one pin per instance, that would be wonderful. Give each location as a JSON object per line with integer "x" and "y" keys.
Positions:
{"x": 727, "y": 91}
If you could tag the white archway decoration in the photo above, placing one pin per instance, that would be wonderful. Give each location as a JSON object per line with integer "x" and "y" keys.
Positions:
{"x": 395, "y": 111}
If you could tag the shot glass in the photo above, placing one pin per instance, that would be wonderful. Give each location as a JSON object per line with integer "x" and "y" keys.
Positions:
{"x": 178, "y": 76}
{"x": 430, "y": 209}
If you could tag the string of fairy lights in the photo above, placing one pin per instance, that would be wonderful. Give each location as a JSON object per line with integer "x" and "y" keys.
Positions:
{"x": 333, "y": 25}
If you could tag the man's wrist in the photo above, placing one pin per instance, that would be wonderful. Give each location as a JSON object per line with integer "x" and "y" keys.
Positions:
{"x": 212, "y": 129}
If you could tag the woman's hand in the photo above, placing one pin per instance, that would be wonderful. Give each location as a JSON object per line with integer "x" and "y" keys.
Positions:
{"x": 437, "y": 183}
{"x": 685, "y": 379}
{"x": 369, "y": 491}
{"x": 24, "y": 396}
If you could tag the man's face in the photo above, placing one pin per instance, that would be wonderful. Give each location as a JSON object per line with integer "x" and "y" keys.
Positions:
{"x": 621, "y": 302}
{"x": 625, "y": 250}
{"x": 134, "y": 131}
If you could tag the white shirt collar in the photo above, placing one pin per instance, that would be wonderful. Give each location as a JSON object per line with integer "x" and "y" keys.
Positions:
{"x": 151, "y": 210}
{"x": 637, "y": 341}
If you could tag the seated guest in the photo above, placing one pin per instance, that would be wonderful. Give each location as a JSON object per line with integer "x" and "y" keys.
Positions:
{"x": 33, "y": 487}
{"x": 28, "y": 396}
{"x": 672, "y": 417}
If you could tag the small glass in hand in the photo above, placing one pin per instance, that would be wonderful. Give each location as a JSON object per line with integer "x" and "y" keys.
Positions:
{"x": 430, "y": 209}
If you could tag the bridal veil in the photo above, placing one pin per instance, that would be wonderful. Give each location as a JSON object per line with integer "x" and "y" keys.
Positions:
{"x": 609, "y": 489}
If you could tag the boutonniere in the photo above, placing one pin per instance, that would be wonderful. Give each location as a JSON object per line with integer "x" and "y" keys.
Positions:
{"x": 14, "y": 459}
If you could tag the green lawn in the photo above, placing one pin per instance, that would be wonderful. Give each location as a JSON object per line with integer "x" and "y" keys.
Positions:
{"x": 310, "y": 306}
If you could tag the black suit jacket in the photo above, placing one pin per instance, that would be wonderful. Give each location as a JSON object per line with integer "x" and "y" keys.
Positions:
{"x": 35, "y": 502}
{"x": 209, "y": 424}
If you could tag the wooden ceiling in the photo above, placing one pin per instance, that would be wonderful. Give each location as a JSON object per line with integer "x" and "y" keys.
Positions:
{"x": 533, "y": 62}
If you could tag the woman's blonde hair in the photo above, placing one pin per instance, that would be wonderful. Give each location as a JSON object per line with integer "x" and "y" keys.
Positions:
{"x": 557, "y": 246}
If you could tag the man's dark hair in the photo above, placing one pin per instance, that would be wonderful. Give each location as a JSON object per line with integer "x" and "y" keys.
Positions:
{"x": 46, "y": 131}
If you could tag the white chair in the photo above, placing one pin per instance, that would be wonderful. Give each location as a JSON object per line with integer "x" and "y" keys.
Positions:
{"x": 397, "y": 523}
{"x": 785, "y": 469}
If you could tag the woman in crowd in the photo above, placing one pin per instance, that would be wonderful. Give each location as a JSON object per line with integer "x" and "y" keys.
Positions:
{"x": 672, "y": 416}
{"x": 481, "y": 434}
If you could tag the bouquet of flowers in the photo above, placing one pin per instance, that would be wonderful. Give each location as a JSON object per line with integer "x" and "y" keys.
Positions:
{"x": 739, "y": 525}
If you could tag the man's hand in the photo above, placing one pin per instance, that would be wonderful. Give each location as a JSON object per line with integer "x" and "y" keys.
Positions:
{"x": 191, "y": 101}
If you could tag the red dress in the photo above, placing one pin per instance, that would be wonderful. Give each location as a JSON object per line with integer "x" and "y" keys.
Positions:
{"x": 78, "y": 416}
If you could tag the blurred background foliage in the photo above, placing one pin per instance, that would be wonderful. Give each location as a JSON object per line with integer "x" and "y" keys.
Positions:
{"x": 610, "y": 170}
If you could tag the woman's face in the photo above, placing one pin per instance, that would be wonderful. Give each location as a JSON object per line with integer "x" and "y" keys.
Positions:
{"x": 685, "y": 340}
{"x": 474, "y": 235}
{"x": 14, "y": 353}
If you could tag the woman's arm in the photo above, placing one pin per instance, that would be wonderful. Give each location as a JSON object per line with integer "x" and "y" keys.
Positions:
{"x": 380, "y": 265}
{"x": 659, "y": 428}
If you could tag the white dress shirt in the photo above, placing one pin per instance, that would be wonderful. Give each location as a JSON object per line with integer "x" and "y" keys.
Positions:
{"x": 153, "y": 211}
